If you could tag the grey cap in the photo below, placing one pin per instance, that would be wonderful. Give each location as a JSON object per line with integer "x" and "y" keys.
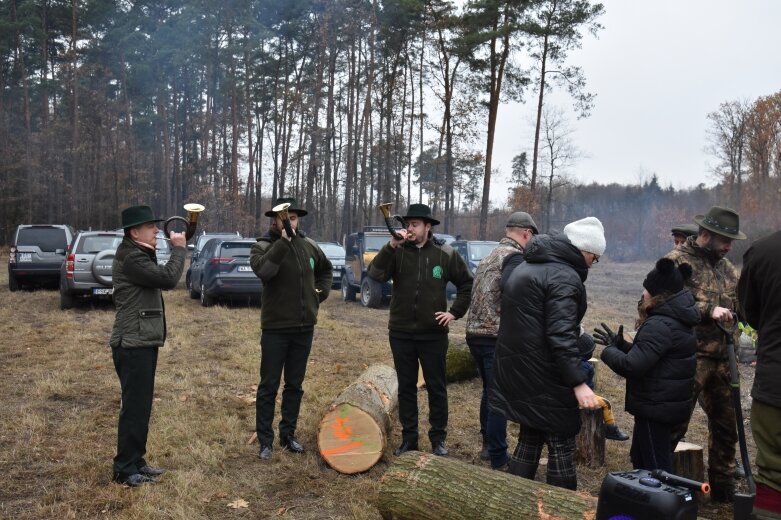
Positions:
{"x": 686, "y": 230}
{"x": 523, "y": 220}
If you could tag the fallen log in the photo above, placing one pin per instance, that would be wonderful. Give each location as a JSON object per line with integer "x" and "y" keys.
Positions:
{"x": 459, "y": 365}
{"x": 422, "y": 486}
{"x": 353, "y": 434}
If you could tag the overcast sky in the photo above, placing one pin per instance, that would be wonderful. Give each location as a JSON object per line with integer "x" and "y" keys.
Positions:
{"x": 658, "y": 68}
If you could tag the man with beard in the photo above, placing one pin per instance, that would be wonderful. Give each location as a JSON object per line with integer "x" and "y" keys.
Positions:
{"x": 421, "y": 267}
{"x": 296, "y": 277}
{"x": 713, "y": 285}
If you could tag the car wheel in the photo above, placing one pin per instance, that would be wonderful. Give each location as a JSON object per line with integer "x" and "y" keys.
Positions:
{"x": 66, "y": 300}
{"x": 348, "y": 291}
{"x": 371, "y": 293}
{"x": 206, "y": 300}
{"x": 194, "y": 293}
{"x": 13, "y": 283}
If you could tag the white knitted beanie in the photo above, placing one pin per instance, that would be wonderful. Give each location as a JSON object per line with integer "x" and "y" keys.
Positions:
{"x": 587, "y": 234}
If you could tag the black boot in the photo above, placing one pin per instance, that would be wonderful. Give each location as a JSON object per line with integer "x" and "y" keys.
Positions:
{"x": 563, "y": 482}
{"x": 522, "y": 469}
{"x": 613, "y": 433}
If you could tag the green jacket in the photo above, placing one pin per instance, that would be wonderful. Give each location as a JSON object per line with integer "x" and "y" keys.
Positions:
{"x": 138, "y": 281}
{"x": 296, "y": 277}
{"x": 420, "y": 277}
{"x": 712, "y": 285}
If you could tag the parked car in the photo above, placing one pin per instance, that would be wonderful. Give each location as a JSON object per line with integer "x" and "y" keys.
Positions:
{"x": 162, "y": 249}
{"x": 361, "y": 248}
{"x": 222, "y": 270}
{"x": 197, "y": 246}
{"x": 86, "y": 272}
{"x": 447, "y": 239}
{"x": 472, "y": 251}
{"x": 37, "y": 254}
{"x": 335, "y": 254}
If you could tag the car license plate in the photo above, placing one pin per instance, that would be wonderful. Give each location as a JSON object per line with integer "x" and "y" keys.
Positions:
{"x": 337, "y": 273}
{"x": 244, "y": 268}
{"x": 25, "y": 257}
{"x": 102, "y": 290}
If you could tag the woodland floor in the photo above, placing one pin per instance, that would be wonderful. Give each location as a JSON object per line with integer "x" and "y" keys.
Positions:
{"x": 59, "y": 399}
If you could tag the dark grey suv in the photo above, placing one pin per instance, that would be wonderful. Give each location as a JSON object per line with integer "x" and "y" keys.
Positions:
{"x": 86, "y": 272}
{"x": 222, "y": 271}
{"x": 37, "y": 253}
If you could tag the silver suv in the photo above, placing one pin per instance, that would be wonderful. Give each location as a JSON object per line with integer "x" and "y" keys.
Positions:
{"x": 86, "y": 272}
{"x": 37, "y": 253}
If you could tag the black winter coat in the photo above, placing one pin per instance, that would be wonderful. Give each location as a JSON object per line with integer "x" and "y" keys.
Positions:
{"x": 659, "y": 367}
{"x": 537, "y": 362}
{"x": 759, "y": 294}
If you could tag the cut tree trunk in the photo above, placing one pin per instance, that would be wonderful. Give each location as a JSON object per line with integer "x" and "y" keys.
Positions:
{"x": 688, "y": 461}
{"x": 354, "y": 432}
{"x": 422, "y": 486}
{"x": 590, "y": 442}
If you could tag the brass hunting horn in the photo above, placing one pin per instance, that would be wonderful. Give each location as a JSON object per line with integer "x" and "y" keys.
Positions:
{"x": 193, "y": 211}
{"x": 385, "y": 209}
{"x": 281, "y": 211}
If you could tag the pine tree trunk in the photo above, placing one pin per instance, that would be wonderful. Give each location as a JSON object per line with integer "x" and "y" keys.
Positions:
{"x": 423, "y": 486}
{"x": 460, "y": 364}
{"x": 354, "y": 433}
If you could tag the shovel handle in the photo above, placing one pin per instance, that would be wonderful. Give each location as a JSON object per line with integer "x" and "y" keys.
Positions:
{"x": 729, "y": 331}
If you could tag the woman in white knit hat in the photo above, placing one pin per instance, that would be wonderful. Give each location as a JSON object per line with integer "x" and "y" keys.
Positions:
{"x": 538, "y": 381}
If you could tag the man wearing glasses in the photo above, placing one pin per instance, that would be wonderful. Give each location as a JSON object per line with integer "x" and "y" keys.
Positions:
{"x": 538, "y": 380}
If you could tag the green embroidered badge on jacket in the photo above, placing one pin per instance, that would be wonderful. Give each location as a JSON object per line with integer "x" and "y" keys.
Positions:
{"x": 437, "y": 272}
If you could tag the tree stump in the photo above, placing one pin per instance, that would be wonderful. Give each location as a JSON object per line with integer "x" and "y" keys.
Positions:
{"x": 422, "y": 486}
{"x": 354, "y": 432}
{"x": 688, "y": 461}
{"x": 590, "y": 442}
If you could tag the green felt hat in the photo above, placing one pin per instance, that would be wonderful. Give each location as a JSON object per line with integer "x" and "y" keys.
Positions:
{"x": 293, "y": 208}
{"x": 722, "y": 221}
{"x": 421, "y": 211}
{"x": 137, "y": 215}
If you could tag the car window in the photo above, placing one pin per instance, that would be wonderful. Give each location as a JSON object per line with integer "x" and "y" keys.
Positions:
{"x": 374, "y": 242}
{"x": 203, "y": 239}
{"x": 97, "y": 243}
{"x": 332, "y": 250}
{"x": 48, "y": 239}
{"x": 480, "y": 251}
{"x": 163, "y": 246}
{"x": 235, "y": 249}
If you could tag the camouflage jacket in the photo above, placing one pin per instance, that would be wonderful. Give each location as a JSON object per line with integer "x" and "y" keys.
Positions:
{"x": 483, "y": 318}
{"x": 712, "y": 286}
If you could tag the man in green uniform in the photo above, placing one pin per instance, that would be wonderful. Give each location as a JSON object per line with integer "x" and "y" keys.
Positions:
{"x": 421, "y": 268}
{"x": 713, "y": 285}
{"x": 296, "y": 277}
{"x": 139, "y": 330}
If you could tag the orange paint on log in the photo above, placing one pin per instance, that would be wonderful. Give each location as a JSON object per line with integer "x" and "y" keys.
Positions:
{"x": 340, "y": 449}
{"x": 341, "y": 430}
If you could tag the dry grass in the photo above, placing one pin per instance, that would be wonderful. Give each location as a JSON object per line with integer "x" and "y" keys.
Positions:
{"x": 60, "y": 398}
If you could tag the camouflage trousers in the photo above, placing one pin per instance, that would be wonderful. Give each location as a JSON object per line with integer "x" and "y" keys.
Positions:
{"x": 712, "y": 391}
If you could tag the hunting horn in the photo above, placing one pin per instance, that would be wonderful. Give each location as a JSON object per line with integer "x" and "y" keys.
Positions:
{"x": 385, "y": 209}
{"x": 193, "y": 211}
{"x": 281, "y": 211}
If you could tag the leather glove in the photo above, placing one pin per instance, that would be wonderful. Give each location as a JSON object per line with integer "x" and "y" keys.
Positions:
{"x": 611, "y": 339}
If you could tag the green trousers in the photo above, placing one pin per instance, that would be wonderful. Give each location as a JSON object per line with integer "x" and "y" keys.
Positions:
{"x": 766, "y": 426}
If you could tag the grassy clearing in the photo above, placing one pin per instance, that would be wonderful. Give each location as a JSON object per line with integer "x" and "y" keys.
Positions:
{"x": 60, "y": 398}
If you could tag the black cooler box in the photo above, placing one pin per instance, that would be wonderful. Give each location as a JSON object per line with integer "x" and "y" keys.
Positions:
{"x": 636, "y": 495}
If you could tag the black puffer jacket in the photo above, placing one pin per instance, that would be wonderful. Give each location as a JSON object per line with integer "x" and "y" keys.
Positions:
{"x": 537, "y": 362}
{"x": 659, "y": 368}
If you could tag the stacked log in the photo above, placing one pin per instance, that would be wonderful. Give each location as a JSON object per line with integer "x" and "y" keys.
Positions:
{"x": 353, "y": 434}
{"x": 422, "y": 486}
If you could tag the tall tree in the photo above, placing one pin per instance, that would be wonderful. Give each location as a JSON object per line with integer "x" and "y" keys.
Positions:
{"x": 554, "y": 28}
{"x": 491, "y": 30}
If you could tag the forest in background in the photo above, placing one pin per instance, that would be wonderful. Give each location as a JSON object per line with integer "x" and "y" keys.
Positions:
{"x": 340, "y": 103}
